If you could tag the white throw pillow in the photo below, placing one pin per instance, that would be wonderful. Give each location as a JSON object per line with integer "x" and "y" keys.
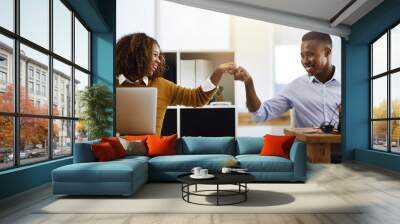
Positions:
{"x": 134, "y": 147}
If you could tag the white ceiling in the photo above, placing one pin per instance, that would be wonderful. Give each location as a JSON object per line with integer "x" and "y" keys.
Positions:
{"x": 315, "y": 15}
{"x": 320, "y": 9}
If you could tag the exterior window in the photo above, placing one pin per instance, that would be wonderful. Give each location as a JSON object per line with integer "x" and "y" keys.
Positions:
{"x": 3, "y": 78}
{"x": 3, "y": 61}
{"x": 30, "y": 72}
{"x": 37, "y": 75}
{"x": 385, "y": 97}
{"x": 3, "y": 72}
{"x": 43, "y": 90}
{"x": 30, "y": 87}
{"x": 38, "y": 89}
{"x": 56, "y": 128}
{"x": 43, "y": 77}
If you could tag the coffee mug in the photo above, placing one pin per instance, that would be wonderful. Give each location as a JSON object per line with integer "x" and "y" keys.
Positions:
{"x": 203, "y": 172}
{"x": 196, "y": 171}
{"x": 226, "y": 170}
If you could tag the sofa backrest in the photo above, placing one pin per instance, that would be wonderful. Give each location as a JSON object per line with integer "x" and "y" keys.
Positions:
{"x": 83, "y": 152}
{"x": 249, "y": 145}
{"x": 190, "y": 146}
{"x": 207, "y": 145}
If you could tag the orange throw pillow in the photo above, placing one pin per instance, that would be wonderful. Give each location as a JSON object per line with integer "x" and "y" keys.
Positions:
{"x": 161, "y": 145}
{"x": 103, "y": 152}
{"x": 277, "y": 145}
{"x": 135, "y": 137}
{"x": 116, "y": 145}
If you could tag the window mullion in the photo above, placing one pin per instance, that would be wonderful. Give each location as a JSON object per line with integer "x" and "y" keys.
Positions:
{"x": 371, "y": 91}
{"x": 73, "y": 83}
{"x": 389, "y": 101}
{"x": 16, "y": 84}
{"x": 50, "y": 81}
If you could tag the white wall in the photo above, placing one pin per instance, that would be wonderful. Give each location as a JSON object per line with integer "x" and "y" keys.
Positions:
{"x": 183, "y": 27}
{"x": 252, "y": 42}
{"x": 135, "y": 16}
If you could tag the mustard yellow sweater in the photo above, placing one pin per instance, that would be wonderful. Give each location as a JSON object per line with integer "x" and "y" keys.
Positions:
{"x": 170, "y": 94}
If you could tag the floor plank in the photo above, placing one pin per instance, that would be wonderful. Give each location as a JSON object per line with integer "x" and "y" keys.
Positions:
{"x": 377, "y": 190}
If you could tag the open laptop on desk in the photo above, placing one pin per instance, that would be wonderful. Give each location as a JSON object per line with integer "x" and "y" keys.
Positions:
{"x": 136, "y": 110}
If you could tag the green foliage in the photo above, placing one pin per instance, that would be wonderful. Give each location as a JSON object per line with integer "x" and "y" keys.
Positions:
{"x": 96, "y": 102}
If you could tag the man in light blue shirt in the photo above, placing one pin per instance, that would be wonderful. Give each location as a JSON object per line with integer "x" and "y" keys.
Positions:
{"x": 315, "y": 97}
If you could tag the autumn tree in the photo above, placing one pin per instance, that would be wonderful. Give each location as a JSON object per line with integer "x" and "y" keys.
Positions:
{"x": 33, "y": 130}
{"x": 380, "y": 127}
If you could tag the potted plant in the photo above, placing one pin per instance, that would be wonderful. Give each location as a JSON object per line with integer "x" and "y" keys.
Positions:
{"x": 96, "y": 102}
{"x": 218, "y": 97}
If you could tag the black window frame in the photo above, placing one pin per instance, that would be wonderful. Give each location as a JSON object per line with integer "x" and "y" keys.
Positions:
{"x": 388, "y": 74}
{"x": 16, "y": 115}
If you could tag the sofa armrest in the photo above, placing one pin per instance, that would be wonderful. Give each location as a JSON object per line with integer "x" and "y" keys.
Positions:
{"x": 298, "y": 155}
{"x": 83, "y": 152}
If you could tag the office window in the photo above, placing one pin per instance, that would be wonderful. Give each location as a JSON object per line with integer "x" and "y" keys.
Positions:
{"x": 81, "y": 45}
{"x": 7, "y": 14}
{"x": 62, "y": 74}
{"x": 35, "y": 21}
{"x": 385, "y": 95}
{"x": 62, "y": 29}
{"x": 395, "y": 47}
{"x": 6, "y": 142}
{"x": 34, "y": 145}
{"x": 45, "y": 131}
{"x": 81, "y": 81}
{"x": 7, "y": 73}
{"x": 62, "y": 137}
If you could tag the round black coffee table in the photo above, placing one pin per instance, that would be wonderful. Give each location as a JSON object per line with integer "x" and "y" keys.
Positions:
{"x": 238, "y": 179}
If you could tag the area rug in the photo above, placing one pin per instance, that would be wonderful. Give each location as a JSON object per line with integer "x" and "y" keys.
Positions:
{"x": 167, "y": 198}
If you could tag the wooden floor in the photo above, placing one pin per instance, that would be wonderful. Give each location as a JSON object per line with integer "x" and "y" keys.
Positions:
{"x": 378, "y": 189}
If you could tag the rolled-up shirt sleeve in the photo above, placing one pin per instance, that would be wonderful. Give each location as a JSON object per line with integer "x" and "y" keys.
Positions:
{"x": 207, "y": 85}
{"x": 272, "y": 108}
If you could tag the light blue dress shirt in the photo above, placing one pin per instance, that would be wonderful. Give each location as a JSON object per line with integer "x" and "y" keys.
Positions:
{"x": 313, "y": 102}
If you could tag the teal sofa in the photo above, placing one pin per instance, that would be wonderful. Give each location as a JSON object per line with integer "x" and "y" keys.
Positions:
{"x": 125, "y": 176}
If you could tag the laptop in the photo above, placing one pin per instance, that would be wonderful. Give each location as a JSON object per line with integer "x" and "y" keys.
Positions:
{"x": 136, "y": 110}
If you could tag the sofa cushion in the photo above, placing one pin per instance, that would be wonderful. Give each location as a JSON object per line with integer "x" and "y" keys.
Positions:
{"x": 112, "y": 171}
{"x": 103, "y": 151}
{"x": 257, "y": 163}
{"x": 208, "y": 145}
{"x": 185, "y": 163}
{"x": 135, "y": 137}
{"x": 277, "y": 145}
{"x": 133, "y": 157}
{"x": 249, "y": 145}
{"x": 161, "y": 145}
{"x": 134, "y": 147}
{"x": 116, "y": 145}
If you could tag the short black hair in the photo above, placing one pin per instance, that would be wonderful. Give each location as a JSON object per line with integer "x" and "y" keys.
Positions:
{"x": 323, "y": 37}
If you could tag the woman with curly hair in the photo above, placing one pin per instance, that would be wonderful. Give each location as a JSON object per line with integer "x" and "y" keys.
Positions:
{"x": 140, "y": 63}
